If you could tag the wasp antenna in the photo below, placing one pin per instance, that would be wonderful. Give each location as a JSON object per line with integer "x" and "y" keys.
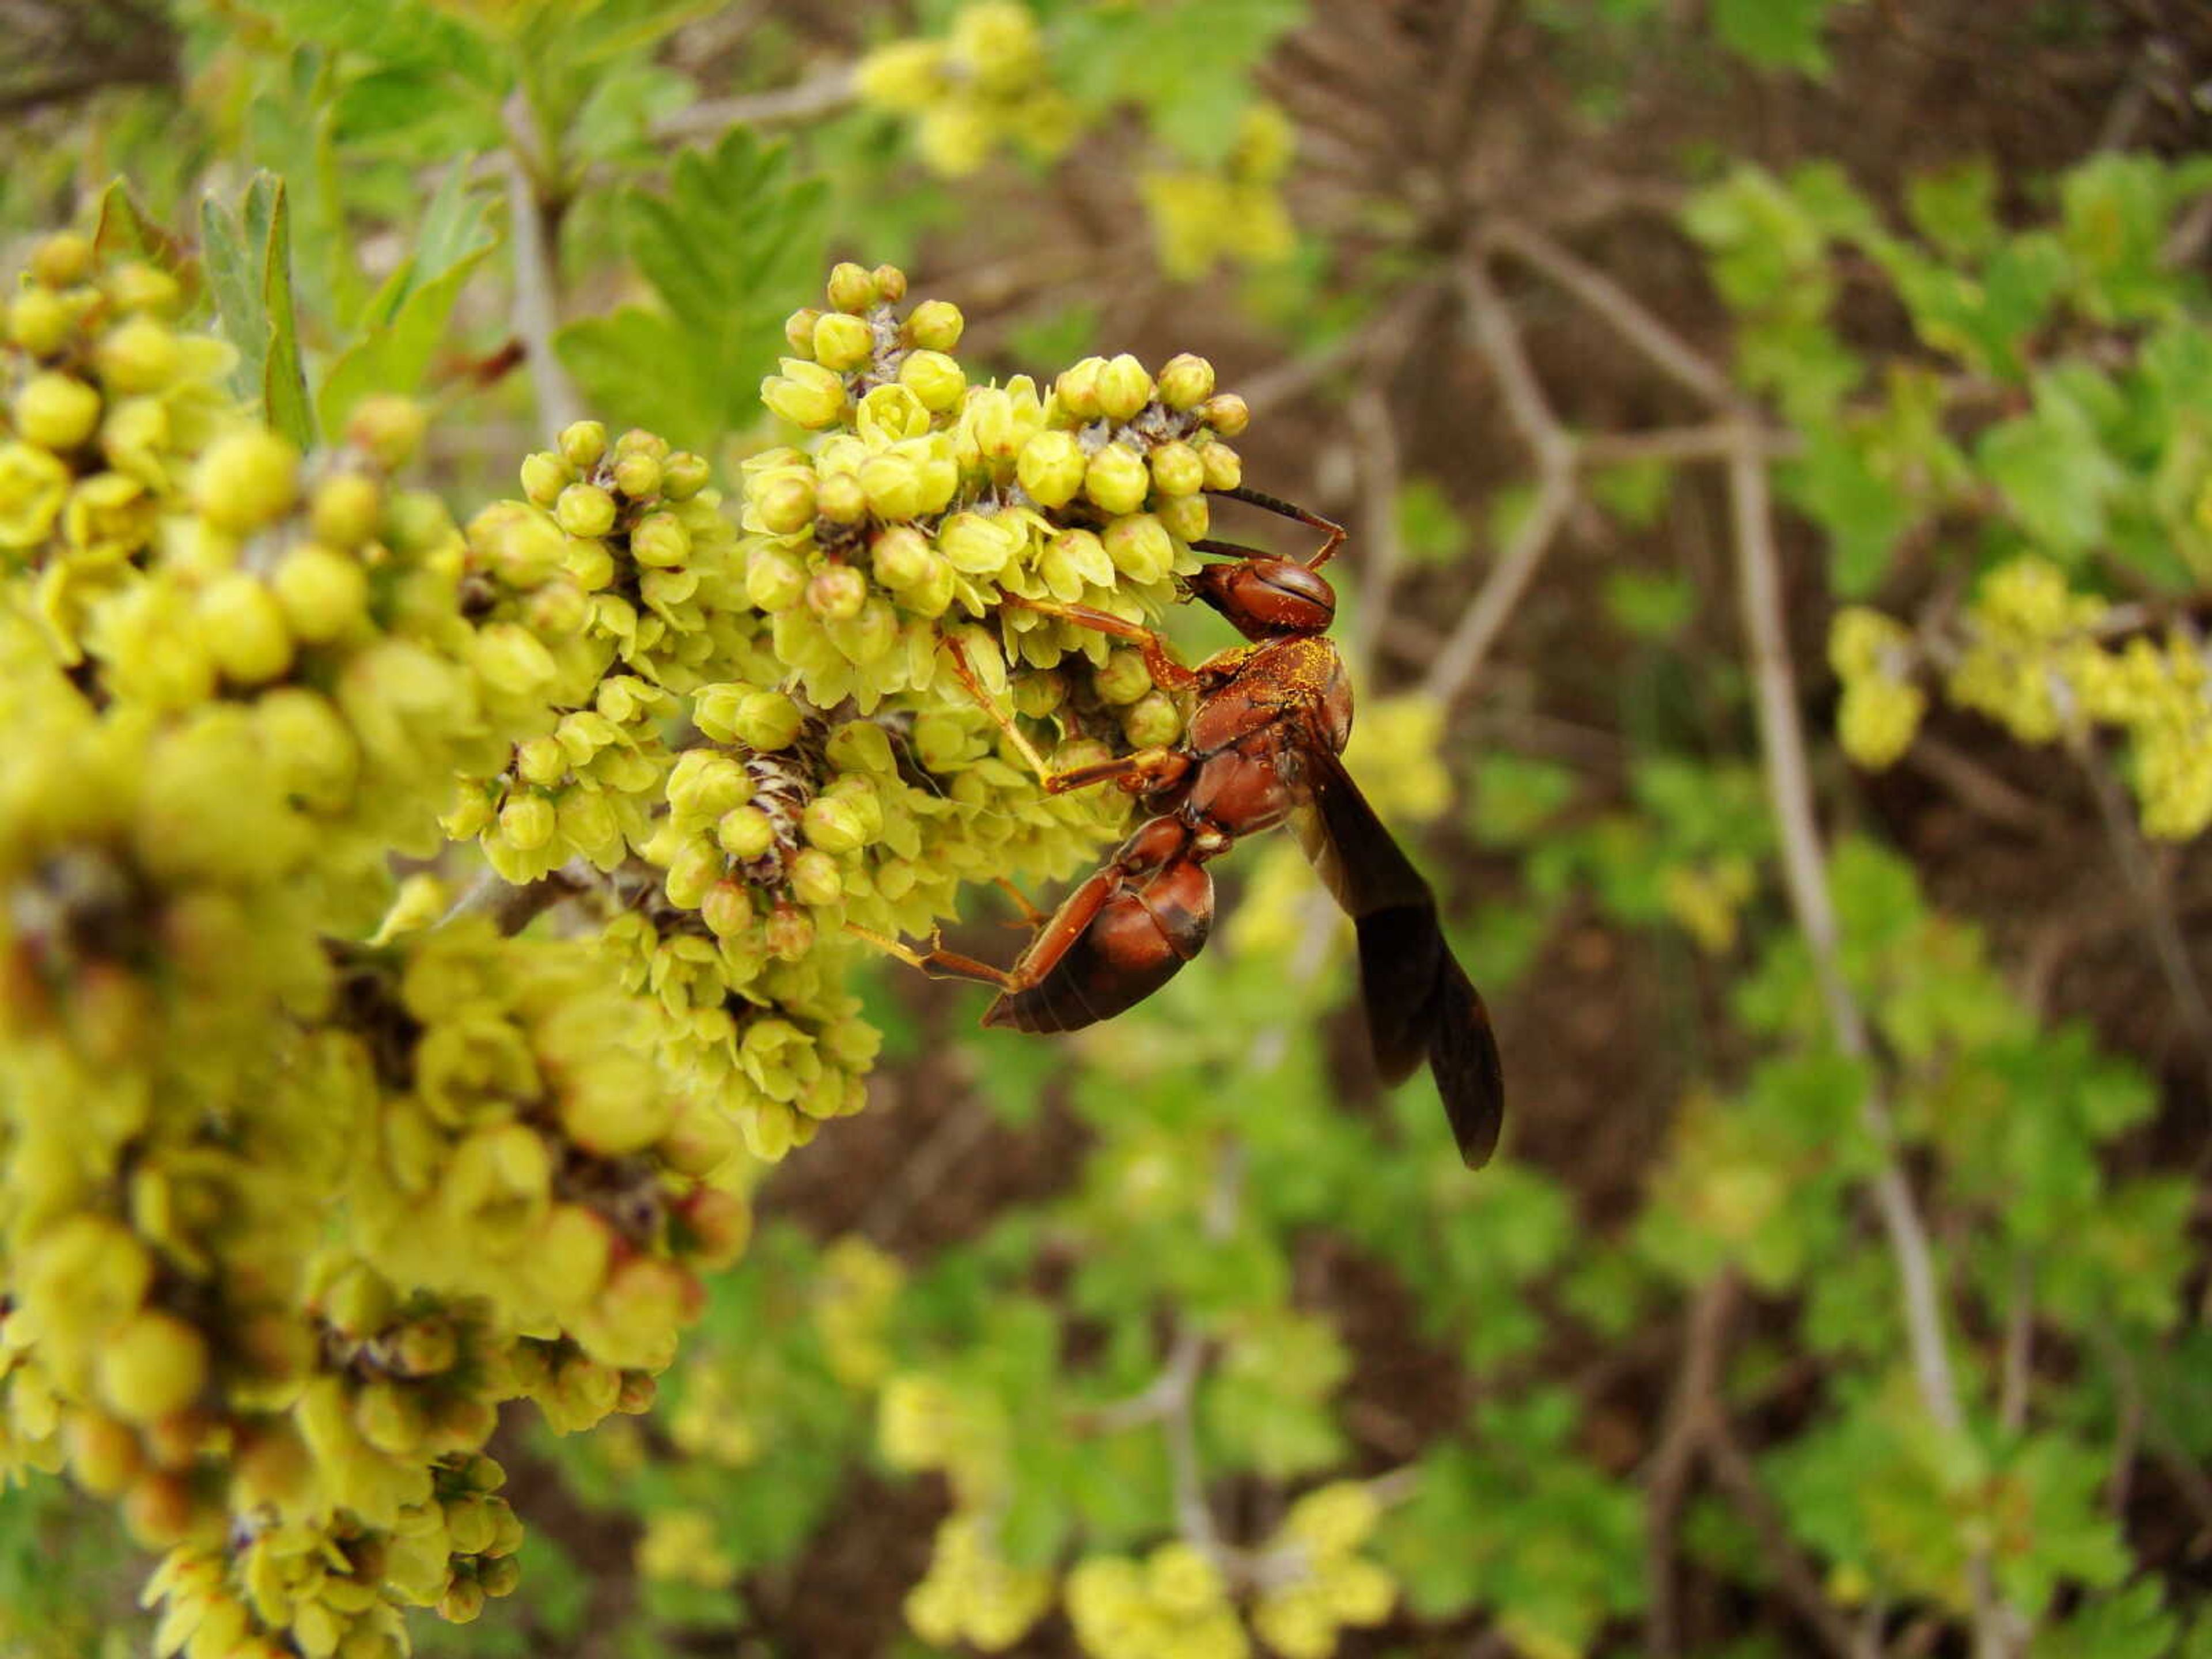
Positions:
{"x": 1275, "y": 504}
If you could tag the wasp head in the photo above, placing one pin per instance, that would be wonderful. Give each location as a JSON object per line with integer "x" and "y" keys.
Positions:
{"x": 1267, "y": 599}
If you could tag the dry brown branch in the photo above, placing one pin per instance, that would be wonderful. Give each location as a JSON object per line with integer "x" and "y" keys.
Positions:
{"x": 1790, "y": 790}
{"x": 2154, "y": 910}
{"x": 819, "y": 95}
{"x": 532, "y": 218}
{"x": 1681, "y": 1444}
{"x": 1735, "y": 1474}
{"x": 1627, "y": 316}
{"x": 1461, "y": 656}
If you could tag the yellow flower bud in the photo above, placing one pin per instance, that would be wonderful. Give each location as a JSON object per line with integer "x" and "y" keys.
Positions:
{"x": 933, "y": 377}
{"x": 906, "y": 75}
{"x": 851, "y": 288}
{"x": 345, "y": 509}
{"x": 1116, "y": 480}
{"x": 62, "y": 261}
{"x": 805, "y": 394}
{"x": 585, "y": 510}
{"x": 1052, "y": 468}
{"x": 798, "y": 329}
{"x": 156, "y": 1364}
{"x": 526, "y": 822}
{"x": 544, "y": 476}
{"x": 245, "y": 480}
{"x": 935, "y": 325}
{"x": 1124, "y": 387}
{"x": 1186, "y": 381}
{"x": 56, "y": 411}
{"x": 1140, "y": 547}
{"x": 582, "y": 443}
{"x": 243, "y": 627}
{"x": 388, "y": 428}
{"x": 767, "y": 720}
{"x": 637, "y": 475}
{"x": 1227, "y": 414}
{"x": 773, "y": 580}
{"x": 784, "y": 501}
{"x": 838, "y": 593}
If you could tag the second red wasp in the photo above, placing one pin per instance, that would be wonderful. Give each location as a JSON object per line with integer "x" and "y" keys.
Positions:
{"x": 1263, "y": 746}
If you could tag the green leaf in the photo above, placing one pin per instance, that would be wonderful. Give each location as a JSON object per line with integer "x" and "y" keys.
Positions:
{"x": 250, "y": 270}
{"x": 737, "y": 233}
{"x": 1431, "y": 529}
{"x": 407, "y": 317}
{"x": 1651, "y": 605}
{"x": 391, "y": 32}
{"x": 2115, "y": 207}
{"x": 284, "y": 403}
{"x": 1837, "y": 485}
{"x": 1187, "y": 67}
{"x": 1635, "y": 492}
{"x": 1955, "y": 209}
{"x": 2133, "y": 1624}
{"x": 1512, "y": 796}
{"x": 1775, "y": 34}
{"x": 121, "y": 231}
{"x": 2052, "y": 470}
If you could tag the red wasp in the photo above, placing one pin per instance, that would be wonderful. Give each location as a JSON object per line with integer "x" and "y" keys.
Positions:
{"x": 1263, "y": 746}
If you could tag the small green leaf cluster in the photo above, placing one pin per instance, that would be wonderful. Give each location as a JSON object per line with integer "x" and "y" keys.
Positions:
{"x": 2051, "y": 439}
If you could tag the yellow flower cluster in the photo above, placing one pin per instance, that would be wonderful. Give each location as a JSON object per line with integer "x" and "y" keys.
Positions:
{"x": 283, "y": 1218}
{"x": 1235, "y": 212}
{"x": 1173, "y": 1604}
{"x": 926, "y": 1422}
{"x": 853, "y": 1301}
{"x": 2036, "y": 661}
{"x": 969, "y": 1594}
{"x": 1315, "y": 1581}
{"x": 299, "y": 1184}
{"x": 984, "y": 85}
{"x": 679, "y": 1547}
{"x": 1881, "y": 707}
{"x": 900, "y": 562}
{"x": 2027, "y": 627}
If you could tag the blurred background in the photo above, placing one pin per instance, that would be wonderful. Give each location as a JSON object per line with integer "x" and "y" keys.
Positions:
{"x": 1742, "y": 409}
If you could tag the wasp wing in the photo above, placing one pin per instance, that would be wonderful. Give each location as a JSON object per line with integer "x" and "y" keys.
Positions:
{"x": 1420, "y": 1004}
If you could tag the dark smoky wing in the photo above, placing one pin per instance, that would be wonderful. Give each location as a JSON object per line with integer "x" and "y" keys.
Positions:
{"x": 1463, "y": 1057}
{"x": 1420, "y": 1005}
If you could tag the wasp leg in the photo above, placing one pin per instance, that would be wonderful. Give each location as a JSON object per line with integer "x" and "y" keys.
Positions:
{"x": 937, "y": 961}
{"x": 1336, "y": 531}
{"x": 1150, "y": 765}
{"x": 1166, "y": 670}
{"x": 1032, "y": 918}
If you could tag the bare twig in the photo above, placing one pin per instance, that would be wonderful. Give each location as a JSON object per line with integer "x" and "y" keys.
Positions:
{"x": 1714, "y": 442}
{"x": 1626, "y": 315}
{"x": 1461, "y": 656}
{"x": 2019, "y": 1346}
{"x": 1385, "y": 333}
{"x": 1733, "y": 1472}
{"x": 1790, "y": 790}
{"x": 953, "y": 1136}
{"x": 1978, "y": 788}
{"x": 2152, "y": 911}
{"x": 819, "y": 94}
{"x": 513, "y": 909}
{"x": 1452, "y": 110}
{"x": 1666, "y": 1477}
{"x": 531, "y": 170}
{"x": 1374, "y": 453}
